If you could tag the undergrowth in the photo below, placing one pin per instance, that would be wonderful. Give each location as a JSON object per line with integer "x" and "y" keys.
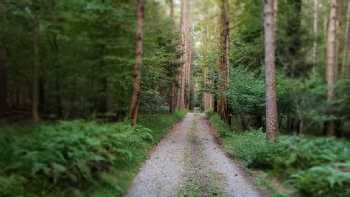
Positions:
{"x": 314, "y": 166}
{"x": 77, "y": 158}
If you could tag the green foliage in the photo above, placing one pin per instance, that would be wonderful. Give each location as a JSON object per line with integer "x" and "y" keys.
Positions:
{"x": 326, "y": 180}
{"x": 246, "y": 92}
{"x": 87, "y": 47}
{"x": 342, "y": 103}
{"x": 300, "y": 100}
{"x": 12, "y": 185}
{"x": 75, "y": 154}
{"x": 220, "y": 126}
{"x": 316, "y": 166}
{"x": 306, "y": 100}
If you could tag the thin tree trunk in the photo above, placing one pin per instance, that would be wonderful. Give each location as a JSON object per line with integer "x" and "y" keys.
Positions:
{"x": 3, "y": 80}
{"x": 173, "y": 96}
{"x": 270, "y": 16}
{"x": 224, "y": 59}
{"x": 346, "y": 63}
{"x": 171, "y": 5}
{"x": 36, "y": 72}
{"x": 3, "y": 64}
{"x": 188, "y": 53}
{"x": 173, "y": 92}
{"x": 208, "y": 96}
{"x": 58, "y": 93}
{"x": 135, "y": 99}
{"x": 331, "y": 59}
{"x": 315, "y": 28}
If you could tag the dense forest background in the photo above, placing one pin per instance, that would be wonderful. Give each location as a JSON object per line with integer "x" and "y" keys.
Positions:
{"x": 71, "y": 89}
{"x": 80, "y": 55}
{"x": 73, "y": 59}
{"x": 300, "y": 59}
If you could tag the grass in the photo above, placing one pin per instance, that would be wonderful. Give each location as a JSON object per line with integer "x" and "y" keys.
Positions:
{"x": 77, "y": 158}
{"x": 314, "y": 166}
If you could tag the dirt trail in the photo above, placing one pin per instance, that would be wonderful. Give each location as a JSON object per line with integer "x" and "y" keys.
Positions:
{"x": 188, "y": 162}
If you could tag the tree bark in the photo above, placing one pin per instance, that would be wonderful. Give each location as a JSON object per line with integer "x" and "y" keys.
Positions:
{"x": 331, "y": 60}
{"x": 135, "y": 99}
{"x": 36, "y": 71}
{"x": 3, "y": 80}
{"x": 173, "y": 97}
{"x": 270, "y": 24}
{"x": 345, "y": 71}
{"x": 224, "y": 59}
{"x": 315, "y": 28}
{"x": 185, "y": 69}
{"x": 171, "y": 5}
{"x": 173, "y": 91}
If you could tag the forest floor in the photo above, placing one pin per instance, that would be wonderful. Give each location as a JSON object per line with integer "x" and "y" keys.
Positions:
{"x": 189, "y": 162}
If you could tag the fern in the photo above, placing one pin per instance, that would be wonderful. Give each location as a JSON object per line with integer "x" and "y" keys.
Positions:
{"x": 68, "y": 156}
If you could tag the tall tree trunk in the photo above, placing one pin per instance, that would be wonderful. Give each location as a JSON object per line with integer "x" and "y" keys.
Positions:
{"x": 173, "y": 97}
{"x": 3, "y": 80}
{"x": 315, "y": 29}
{"x": 293, "y": 32}
{"x": 224, "y": 59}
{"x": 188, "y": 53}
{"x": 345, "y": 71}
{"x": 36, "y": 71}
{"x": 331, "y": 60}
{"x": 3, "y": 62}
{"x": 270, "y": 18}
{"x": 135, "y": 99}
{"x": 171, "y": 5}
{"x": 173, "y": 91}
{"x": 207, "y": 95}
{"x": 184, "y": 76}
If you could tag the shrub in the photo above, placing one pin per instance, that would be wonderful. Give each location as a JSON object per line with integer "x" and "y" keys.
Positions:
{"x": 72, "y": 155}
{"x": 221, "y": 127}
{"x": 326, "y": 180}
{"x": 12, "y": 185}
{"x": 316, "y": 166}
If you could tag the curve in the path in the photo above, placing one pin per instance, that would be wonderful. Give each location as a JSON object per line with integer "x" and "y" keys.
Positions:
{"x": 190, "y": 157}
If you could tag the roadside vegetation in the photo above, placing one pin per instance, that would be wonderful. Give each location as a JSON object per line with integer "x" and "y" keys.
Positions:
{"x": 77, "y": 158}
{"x": 269, "y": 67}
{"x": 314, "y": 166}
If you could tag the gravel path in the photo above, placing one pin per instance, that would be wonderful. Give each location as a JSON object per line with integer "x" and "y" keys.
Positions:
{"x": 188, "y": 162}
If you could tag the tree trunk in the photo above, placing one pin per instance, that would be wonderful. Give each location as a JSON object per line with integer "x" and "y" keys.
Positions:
{"x": 270, "y": 18}
{"x": 173, "y": 91}
{"x": 207, "y": 83}
{"x": 135, "y": 99}
{"x": 346, "y": 62}
{"x": 315, "y": 28}
{"x": 224, "y": 59}
{"x": 36, "y": 71}
{"x": 173, "y": 97}
{"x": 171, "y": 5}
{"x": 295, "y": 44}
{"x": 185, "y": 70}
{"x": 3, "y": 80}
{"x": 331, "y": 60}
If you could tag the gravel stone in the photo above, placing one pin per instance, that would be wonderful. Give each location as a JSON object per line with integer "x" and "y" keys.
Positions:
{"x": 167, "y": 171}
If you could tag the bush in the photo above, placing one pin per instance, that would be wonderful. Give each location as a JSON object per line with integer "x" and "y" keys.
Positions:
{"x": 66, "y": 155}
{"x": 316, "y": 166}
{"x": 297, "y": 100}
{"x": 221, "y": 127}
{"x": 327, "y": 180}
{"x": 12, "y": 185}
